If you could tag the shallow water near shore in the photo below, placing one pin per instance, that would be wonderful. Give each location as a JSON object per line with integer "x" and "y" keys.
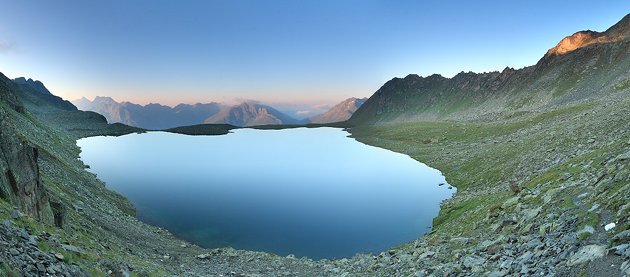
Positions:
{"x": 308, "y": 192}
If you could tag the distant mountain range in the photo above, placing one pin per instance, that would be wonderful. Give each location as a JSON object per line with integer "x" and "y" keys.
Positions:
{"x": 340, "y": 112}
{"x": 151, "y": 116}
{"x": 249, "y": 113}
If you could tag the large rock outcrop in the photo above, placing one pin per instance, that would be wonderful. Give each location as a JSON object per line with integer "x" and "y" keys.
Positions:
{"x": 20, "y": 182}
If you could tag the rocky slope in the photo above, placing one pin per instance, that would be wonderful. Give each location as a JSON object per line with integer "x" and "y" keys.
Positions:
{"x": 539, "y": 156}
{"x": 251, "y": 114}
{"x": 340, "y": 112}
{"x": 151, "y": 116}
{"x": 544, "y": 193}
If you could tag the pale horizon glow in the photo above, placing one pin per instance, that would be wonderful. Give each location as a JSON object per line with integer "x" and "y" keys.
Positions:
{"x": 319, "y": 52}
{"x": 227, "y": 99}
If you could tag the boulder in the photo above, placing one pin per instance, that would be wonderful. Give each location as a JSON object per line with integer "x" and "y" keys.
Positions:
{"x": 622, "y": 237}
{"x": 510, "y": 202}
{"x": 622, "y": 250}
{"x": 71, "y": 248}
{"x": 203, "y": 256}
{"x": 586, "y": 254}
{"x": 472, "y": 261}
{"x": 587, "y": 229}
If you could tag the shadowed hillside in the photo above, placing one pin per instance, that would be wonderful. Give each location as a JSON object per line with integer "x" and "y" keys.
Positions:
{"x": 539, "y": 156}
{"x": 583, "y": 66}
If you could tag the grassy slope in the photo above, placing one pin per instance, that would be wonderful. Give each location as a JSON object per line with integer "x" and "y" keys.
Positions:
{"x": 535, "y": 150}
{"x": 478, "y": 158}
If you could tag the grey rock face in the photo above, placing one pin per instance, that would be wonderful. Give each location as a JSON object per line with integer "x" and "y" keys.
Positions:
{"x": 19, "y": 174}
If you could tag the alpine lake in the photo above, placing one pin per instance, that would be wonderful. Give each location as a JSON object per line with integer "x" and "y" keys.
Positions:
{"x": 311, "y": 192}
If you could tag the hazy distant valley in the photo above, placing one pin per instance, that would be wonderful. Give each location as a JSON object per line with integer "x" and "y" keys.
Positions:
{"x": 248, "y": 113}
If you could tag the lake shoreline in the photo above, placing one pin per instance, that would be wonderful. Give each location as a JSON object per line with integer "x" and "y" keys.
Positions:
{"x": 222, "y": 129}
{"x": 320, "y": 145}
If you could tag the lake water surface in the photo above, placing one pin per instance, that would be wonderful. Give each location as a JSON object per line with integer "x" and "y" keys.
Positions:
{"x": 307, "y": 192}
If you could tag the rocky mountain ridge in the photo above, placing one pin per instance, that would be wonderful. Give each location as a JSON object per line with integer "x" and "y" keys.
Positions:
{"x": 32, "y": 84}
{"x": 591, "y": 64}
{"x": 340, "y": 112}
{"x": 618, "y": 32}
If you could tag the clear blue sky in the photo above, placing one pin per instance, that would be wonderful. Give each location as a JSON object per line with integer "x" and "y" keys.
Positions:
{"x": 275, "y": 50}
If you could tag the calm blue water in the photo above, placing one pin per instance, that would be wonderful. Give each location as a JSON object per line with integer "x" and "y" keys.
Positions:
{"x": 307, "y": 192}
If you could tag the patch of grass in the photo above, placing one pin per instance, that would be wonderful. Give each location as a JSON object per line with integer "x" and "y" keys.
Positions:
{"x": 565, "y": 84}
{"x": 623, "y": 85}
{"x": 584, "y": 235}
{"x": 44, "y": 245}
{"x": 495, "y": 208}
{"x": 456, "y": 211}
{"x": 35, "y": 226}
{"x": 591, "y": 219}
{"x": 94, "y": 271}
{"x": 7, "y": 271}
{"x": 69, "y": 257}
{"x": 584, "y": 219}
{"x": 567, "y": 202}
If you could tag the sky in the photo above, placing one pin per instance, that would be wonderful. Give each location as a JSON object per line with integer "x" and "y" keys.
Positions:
{"x": 275, "y": 51}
